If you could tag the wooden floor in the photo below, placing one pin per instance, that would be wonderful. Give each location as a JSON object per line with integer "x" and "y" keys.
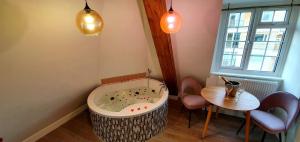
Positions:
{"x": 222, "y": 129}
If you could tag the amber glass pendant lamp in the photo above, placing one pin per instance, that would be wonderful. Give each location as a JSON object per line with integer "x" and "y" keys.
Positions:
{"x": 171, "y": 21}
{"x": 89, "y": 22}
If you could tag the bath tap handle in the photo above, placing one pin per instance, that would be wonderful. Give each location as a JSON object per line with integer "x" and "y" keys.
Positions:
{"x": 148, "y": 72}
{"x": 163, "y": 85}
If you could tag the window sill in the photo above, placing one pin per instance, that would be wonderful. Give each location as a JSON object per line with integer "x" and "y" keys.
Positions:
{"x": 248, "y": 76}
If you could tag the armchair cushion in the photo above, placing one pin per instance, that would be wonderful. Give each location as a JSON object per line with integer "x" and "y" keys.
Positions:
{"x": 267, "y": 121}
{"x": 193, "y": 101}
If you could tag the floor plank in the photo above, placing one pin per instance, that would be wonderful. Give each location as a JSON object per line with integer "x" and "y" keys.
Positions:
{"x": 79, "y": 129}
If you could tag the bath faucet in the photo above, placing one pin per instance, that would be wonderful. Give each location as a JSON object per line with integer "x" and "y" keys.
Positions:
{"x": 148, "y": 73}
{"x": 163, "y": 86}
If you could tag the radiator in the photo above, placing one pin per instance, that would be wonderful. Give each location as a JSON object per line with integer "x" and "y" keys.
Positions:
{"x": 259, "y": 88}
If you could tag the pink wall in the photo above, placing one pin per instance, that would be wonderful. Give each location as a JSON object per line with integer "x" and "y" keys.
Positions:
{"x": 193, "y": 45}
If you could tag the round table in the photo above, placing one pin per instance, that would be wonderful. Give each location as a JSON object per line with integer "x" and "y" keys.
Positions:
{"x": 244, "y": 101}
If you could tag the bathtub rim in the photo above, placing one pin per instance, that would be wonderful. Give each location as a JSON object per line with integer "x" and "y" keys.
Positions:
{"x": 97, "y": 110}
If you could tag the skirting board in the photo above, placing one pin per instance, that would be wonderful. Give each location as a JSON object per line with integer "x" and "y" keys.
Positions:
{"x": 55, "y": 125}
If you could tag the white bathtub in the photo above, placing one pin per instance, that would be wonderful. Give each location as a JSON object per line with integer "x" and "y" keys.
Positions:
{"x": 136, "y": 122}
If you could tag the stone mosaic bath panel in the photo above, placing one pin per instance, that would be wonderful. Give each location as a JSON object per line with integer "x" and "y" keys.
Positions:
{"x": 132, "y": 129}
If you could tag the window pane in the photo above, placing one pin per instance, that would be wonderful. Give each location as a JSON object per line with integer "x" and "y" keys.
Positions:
{"x": 273, "y": 49}
{"x": 236, "y": 60}
{"x": 267, "y": 16}
{"x": 277, "y": 34}
{"x": 239, "y": 48}
{"x": 234, "y": 19}
{"x": 259, "y": 48}
{"x": 231, "y": 34}
{"x": 262, "y": 35}
{"x": 226, "y": 60}
{"x": 255, "y": 63}
{"x": 245, "y": 19}
{"x": 243, "y": 33}
{"x": 228, "y": 48}
{"x": 279, "y": 16}
{"x": 237, "y": 34}
{"x": 235, "y": 44}
{"x": 269, "y": 63}
{"x": 236, "y": 48}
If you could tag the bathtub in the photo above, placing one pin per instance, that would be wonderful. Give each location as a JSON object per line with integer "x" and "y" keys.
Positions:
{"x": 131, "y": 111}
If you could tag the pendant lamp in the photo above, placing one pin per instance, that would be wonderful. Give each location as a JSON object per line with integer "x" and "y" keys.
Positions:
{"x": 170, "y": 22}
{"x": 89, "y": 22}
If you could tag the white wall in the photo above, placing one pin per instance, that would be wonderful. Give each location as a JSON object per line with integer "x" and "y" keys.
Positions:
{"x": 290, "y": 74}
{"x": 291, "y": 77}
{"x": 193, "y": 45}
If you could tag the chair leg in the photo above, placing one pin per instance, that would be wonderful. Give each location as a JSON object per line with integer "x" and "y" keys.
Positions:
{"x": 190, "y": 116}
{"x": 253, "y": 128}
{"x": 285, "y": 133}
{"x": 263, "y": 137}
{"x": 217, "y": 111}
{"x": 205, "y": 112}
{"x": 280, "y": 137}
{"x": 240, "y": 128}
{"x": 202, "y": 112}
{"x": 182, "y": 108}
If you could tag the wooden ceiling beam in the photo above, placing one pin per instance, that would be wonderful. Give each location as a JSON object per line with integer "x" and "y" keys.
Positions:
{"x": 162, "y": 41}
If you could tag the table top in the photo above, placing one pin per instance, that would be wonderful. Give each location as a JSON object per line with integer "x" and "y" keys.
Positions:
{"x": 243, "y": 102}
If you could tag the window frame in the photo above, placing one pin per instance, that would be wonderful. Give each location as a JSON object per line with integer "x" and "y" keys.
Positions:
{"x": 255, "y": 23}
{"x": 225, "y": 27}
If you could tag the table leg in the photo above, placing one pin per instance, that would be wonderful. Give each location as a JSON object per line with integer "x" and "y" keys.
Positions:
{"x": 247, "y": 128}
{"x": 217, "y": 112}
{"x": 207, "y": 121}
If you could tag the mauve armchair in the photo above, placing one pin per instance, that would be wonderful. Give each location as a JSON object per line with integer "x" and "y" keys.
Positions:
{"x": 190, "y": 96}
{"x": 270, "y": 123}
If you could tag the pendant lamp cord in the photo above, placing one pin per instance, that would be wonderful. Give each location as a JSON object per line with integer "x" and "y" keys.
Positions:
{"x": 87, "y": 8}
{"x": 171, "y": 8}
{"x": 86, "y": 3}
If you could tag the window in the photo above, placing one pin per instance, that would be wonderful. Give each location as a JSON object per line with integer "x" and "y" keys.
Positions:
{"x": 273, "y": 16}
{"x": 265, "y": 50}
{"x": 253, "y": 41}
{"x": 236, "y": 37}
